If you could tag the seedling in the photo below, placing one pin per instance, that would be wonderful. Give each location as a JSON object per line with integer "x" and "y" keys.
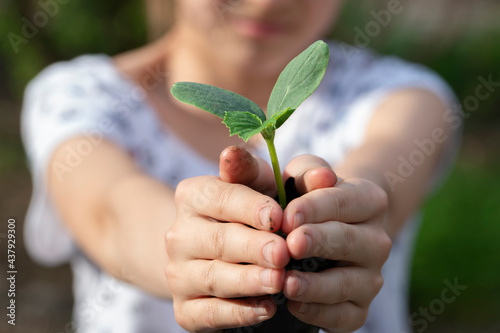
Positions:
{"x": 243, "y": 117}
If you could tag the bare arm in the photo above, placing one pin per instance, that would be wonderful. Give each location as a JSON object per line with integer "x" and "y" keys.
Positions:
{"x": 405, "y": 117}
{"x": 117, "y": 214}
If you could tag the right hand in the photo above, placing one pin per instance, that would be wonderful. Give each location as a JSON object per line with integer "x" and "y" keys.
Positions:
{"x": 220, "y": 224}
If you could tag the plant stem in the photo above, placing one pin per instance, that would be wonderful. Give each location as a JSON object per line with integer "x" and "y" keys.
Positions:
{"x": 277, "y": 171}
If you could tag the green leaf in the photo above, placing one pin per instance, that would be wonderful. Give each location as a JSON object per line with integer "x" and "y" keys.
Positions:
{"x": 299, "y": 79}
{"x": 245, "y": 124}
{"x": 215, "y": 100}
{"x": 297, "y": 82}
{"x": 279, "y": 118}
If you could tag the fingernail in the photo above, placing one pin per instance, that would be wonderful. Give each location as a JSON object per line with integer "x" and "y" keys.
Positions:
{"x": 301, "y": 283}
{"x": 267, "y": 251}
{"x": 298, "y": 220}
{"x": 261, "y": 312}
{"x": 265, "y": 217}
{"x": 262, "y": 309}
{"x": 265, "y": 277}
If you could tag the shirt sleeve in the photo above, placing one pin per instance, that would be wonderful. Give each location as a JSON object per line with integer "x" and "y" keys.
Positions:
{"x": 391, "y": 75}
{"x": 65, "y": 100}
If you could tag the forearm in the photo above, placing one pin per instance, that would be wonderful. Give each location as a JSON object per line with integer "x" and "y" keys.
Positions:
{"x": 406, "y": 117}
{"x": 374, "y": 165}
{"x": 139, "y": 212}
{"x": 117, "y": 215}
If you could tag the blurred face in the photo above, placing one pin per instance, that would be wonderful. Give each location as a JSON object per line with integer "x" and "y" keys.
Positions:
{"x": 254, "y": 36}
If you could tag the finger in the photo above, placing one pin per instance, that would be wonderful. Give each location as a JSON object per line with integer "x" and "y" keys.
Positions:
{"x": 343, "y": 317}
{"x": 352, "y": 200}
{"x": 236, "y": 243}
{"x": 226, "y": 280}
{"x": 211, "y": 197}
{"x": 333, "y": 286}
{"x": 218, "y": 313}
{"x": 237, "y": 165}
{"x": 363, "y": 244}
{"x": 310, "y": 173}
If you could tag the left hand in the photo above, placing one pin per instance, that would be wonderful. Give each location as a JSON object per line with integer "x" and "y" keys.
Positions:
{"x": 342, "y": 222}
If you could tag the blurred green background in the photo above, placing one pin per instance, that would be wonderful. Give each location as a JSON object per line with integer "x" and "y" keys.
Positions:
{"x": 460, "y": 236}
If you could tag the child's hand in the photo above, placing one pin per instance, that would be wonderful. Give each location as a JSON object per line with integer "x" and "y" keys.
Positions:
{"x": 343, "y": 223}
{"x": 211, "y": 236}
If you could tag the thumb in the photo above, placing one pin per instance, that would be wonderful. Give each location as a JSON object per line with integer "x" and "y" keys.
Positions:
{"x": 310, "y": 173}
{"x": 238, "y": 166}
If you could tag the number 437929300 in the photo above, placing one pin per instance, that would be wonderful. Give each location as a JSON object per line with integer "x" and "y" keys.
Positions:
{"x": 11, "y": 246}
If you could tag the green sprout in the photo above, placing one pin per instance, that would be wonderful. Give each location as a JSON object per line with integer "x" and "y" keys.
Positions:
{"x": 243, "y": 117}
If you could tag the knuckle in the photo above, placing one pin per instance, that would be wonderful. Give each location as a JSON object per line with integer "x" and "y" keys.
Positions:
{"x": 217, "y": 241}
{"x": 182, "y": 189}
{"x": 241, "y": 280}
{"x": 346, "y": 285}
{"x": 342, "y": 318}
{"x": 309, "y": 205}
{"x": 240, "y": 316}
{"x": 170, "y": 274}
{"x": 182, "y": 320}
{"x": 377, "y": 283}
{"x": 171, "y": 268}
{"x": 248, "y": 248}
{"x": 363, "y": 316}
{"x": 314, "y": 313}
{"x": 379, "y": 199}
{"x": 331, "y": 244}
{"x": 210, "y": 315}
{"x": 385, "y": 245}
{"x": 183, "y": 316}
{"x": 171, "y": 240}
{"x": 357, "y": 320}
{"x": 251, "y": 248}
{"x": 338, "y": 204}
{"x": 382, "y": 247}
{"x": 208, "y": 279}
{"x": 349, "y": 236}
{"x": 199, "y": 191}
{"x": 222, "y": 199}
{"x": 323, "y": 245}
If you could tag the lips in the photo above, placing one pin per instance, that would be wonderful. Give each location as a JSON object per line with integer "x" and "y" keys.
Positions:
{"x": 256, "y": 28}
